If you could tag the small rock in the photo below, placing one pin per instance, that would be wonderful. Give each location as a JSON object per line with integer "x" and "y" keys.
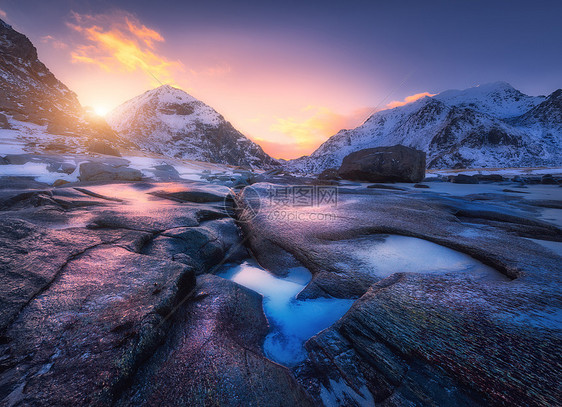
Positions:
{"x": 421, "y": 186}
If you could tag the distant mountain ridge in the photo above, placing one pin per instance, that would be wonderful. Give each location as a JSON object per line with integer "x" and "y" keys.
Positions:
{"x": 168, "y": 121}
{"x": 492, "y": 125}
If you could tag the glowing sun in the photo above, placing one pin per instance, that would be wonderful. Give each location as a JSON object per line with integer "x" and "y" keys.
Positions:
{"x": 101, "y": 110}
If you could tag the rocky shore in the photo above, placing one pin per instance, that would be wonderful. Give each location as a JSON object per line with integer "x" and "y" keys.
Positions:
{"x": 110, "y": 297}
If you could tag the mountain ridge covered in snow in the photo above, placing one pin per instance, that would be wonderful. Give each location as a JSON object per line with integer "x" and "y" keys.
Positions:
{"x": 169, "y": 121}
{"x": 30, "y": 93}
{"x": 492, "y": 125}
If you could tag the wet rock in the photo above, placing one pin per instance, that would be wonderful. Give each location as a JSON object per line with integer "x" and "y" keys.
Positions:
{"x": 421, "y": 186}
{"x": 384, "y": 164}
{"x": 213, "y": 356}
{"x": 93, "y": 171}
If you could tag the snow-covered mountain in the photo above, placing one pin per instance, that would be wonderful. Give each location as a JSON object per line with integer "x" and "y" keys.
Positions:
{"x": 168, "y": 121}
{"x": 492, "y": 125}
{"x": 32, "y": 97}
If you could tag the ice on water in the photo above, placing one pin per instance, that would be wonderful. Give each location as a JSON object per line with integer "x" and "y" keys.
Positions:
{"x": 395, "y": 253}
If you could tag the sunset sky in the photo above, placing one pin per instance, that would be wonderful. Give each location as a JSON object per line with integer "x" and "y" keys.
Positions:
{"x": 291, "y": 74}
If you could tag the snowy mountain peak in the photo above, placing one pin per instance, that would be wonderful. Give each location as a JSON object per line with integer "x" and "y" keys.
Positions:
{"x": 488, "y": 125}
{"x": 170, "y": 94}
{"x": 499, "y": 99}
{"x": 169, "y": 121}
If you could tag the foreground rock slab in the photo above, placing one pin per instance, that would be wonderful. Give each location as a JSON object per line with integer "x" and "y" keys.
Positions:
{"x": 98, "y": 276}
{"x": 422, "y": 339}
{"x": 214, "y": 356}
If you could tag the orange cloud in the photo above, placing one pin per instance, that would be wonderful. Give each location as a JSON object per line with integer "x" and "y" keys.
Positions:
{"x": 3, "y": 14}
{"x": 408, "y": 99}
{"x": 302, "y": 135}
{"x": 121, "y": 42}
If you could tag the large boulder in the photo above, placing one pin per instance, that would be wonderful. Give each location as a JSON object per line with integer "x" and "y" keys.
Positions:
{"x": 102, "y": 172}
{"x": 384, "y": 164}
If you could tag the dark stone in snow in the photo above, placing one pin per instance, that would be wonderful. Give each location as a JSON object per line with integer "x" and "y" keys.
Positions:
{"x": 384, "y": 164}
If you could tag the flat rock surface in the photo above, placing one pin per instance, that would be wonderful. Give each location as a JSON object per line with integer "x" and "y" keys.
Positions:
{"x": 214, "y": 356}
{"x": 91, "y": 291}
{"x": 475, "y": 341}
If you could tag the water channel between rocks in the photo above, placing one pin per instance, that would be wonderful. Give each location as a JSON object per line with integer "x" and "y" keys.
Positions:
{"x": 293, "y": 322}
